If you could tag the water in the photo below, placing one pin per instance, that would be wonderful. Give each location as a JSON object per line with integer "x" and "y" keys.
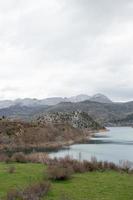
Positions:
{"x": 115, "y": 145}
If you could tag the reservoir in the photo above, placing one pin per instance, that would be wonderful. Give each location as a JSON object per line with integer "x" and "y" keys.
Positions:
{"x": 115, "y": 145}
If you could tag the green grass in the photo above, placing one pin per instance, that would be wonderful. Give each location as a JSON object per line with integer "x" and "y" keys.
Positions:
{"x": 87, "y": 186}
{"x": 24, "y": 175}
{"x": 94, "y": 186}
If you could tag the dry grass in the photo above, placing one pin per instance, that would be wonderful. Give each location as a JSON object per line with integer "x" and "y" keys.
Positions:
{"x": 33, "y": 192}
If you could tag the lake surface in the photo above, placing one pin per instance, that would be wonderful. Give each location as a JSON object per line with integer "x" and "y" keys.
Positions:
{"x": 114, "y": 145}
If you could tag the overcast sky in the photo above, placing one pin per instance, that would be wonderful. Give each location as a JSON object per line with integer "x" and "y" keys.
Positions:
{"x": 66, "y": 47}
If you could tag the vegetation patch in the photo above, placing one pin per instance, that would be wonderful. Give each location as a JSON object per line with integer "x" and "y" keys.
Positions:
{"x": 25, "y": 174}
{"x": 59, "y": 172}
{"x": 33, "y": 192}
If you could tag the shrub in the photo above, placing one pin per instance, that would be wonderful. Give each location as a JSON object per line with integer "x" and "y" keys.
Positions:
{"x": 38, "y": 158}
{"x": 13, "y": 195}
{"x": 58, "y": 172}
{"x": 33, "y": 192}
{"x": 3, "y": 157}
{"x": 126, "y": 166}
{"x": 36, "y": 191}
{"x": 93, "y": 165}
{"x": 19, "y": 157}
{"x": 7, "y": 160}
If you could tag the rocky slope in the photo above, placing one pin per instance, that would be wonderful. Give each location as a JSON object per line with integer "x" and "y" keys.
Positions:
{"x": 80, "y": 120}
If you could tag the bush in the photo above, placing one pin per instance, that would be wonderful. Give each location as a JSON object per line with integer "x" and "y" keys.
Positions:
{"x": 93, "y": 165}
{"x": 33, "y": 192}
{"x": 7, "y": 160}
{"x": 38, "y": 158}
{"x": 3, "y": 157}
{"x": 58, "y": 172}
{"x": 13, "y": 195}
{"x": 19, "y": 157}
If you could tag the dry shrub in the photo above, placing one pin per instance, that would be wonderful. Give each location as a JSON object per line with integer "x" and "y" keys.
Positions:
{"x": 93, "y": 165}
{"x": 58, "y": 172}
{"x": 8, "y": 160}
{"x": 112, "y": 166}
{"x": 23, "y": 158}
{"x": 11, "y": 169}
{"x": 77, "y": 166}
{"x": 33, "y": 192}
{"x": 19, "y": 157}
{"x": 3, "y": 157}
{"x": 126, "y": 166}
{"x": 13, "y": 195}
{"x": 38, "y": 158}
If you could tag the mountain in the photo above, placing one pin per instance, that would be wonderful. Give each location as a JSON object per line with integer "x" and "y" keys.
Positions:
{"x": 104, "y": 113}
{"x": 101, "y": 112}
{"x": 21, "y": 112}
{"x": 100, "y": 98}
{"x": 125, "y": 121}
{"x": 29, "y": 102}
{"x": 51, "y": 101}
{"x": 79, "y": 98}
{"x": 36, "y": 102}
{"x": 6, "y": 103}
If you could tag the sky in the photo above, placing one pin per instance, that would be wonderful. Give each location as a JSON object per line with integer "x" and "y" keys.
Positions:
{"x": 66, "y": 47}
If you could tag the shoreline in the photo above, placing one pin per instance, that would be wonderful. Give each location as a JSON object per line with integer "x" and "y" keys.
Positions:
{"x": 51, "y": 146}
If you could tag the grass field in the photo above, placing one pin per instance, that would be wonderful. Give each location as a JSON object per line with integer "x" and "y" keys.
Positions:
{"x": 87, "y": 186}
{"x": 24, "y": 175}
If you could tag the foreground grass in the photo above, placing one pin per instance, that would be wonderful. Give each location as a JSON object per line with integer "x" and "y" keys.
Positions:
{"x": 87, "y": 186}
{"x": 94, "y": 186}
{"x": 24, "y": 175}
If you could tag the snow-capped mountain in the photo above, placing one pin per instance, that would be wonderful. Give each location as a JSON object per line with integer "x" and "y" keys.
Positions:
{"x": 79, "y": 98}
{"x": 100, "y": 98}
{"x": 29, "y": 102}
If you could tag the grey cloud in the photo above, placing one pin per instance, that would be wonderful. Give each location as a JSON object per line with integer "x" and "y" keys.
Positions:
{"x": 64, "y": 47}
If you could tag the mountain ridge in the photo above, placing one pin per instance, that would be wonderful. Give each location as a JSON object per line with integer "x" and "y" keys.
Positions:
{"x": 32, "y": 102}
{"x": 104, "y": 113}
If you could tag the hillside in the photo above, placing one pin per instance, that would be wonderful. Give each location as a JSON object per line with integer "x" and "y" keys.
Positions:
{"x": 80, "y": 120}
{"x": 21, "y": 112}
{"x": 101, "y": 112}
{"x": 42, "y": 134}
{"x": 126, "y": 121}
